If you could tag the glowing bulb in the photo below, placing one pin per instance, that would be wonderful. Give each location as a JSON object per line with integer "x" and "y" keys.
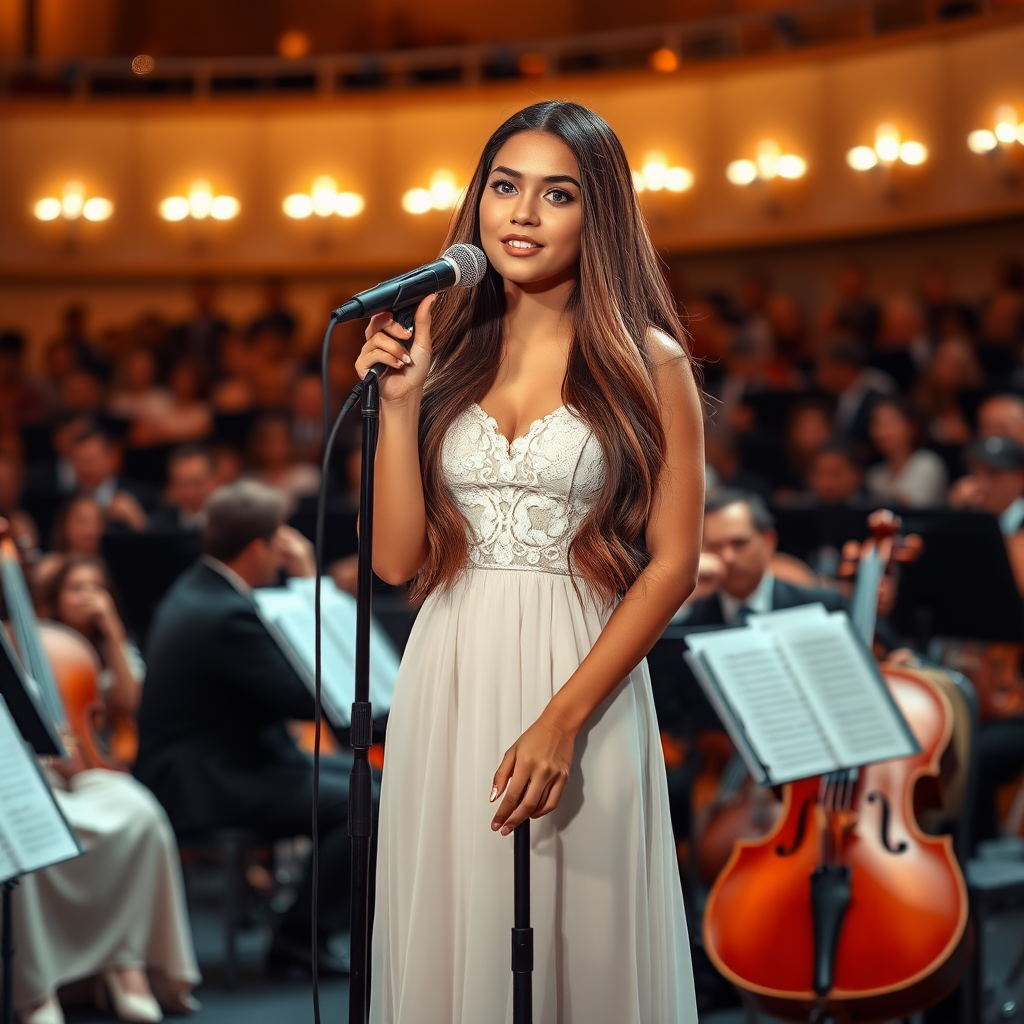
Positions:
{"x": 200, "y": 200}
{"x": 655, "y": 172}
{"x": 349, "y": 204}
{"x": 298, "y": 206}
{"x": 417, "y": 200}
{"x": 887, "y": 143}
{"x": 678, "y": 179}
{"x": 174, "y": 208}
{"x": 443, "y": 192}
{"x": 741, "y": 172}
{"x": 325, "y": 191}
{"x": 664, "y": 60}
{"x": 224, "y": 208}
{"x": 791, "y": 166}
{"x": 981, "y": 141}
{"x": 767, "y": 159}
{"x": 862, "y": 158}
{"x": 97, "y": 208}
{"x": 47, "y": 209}
{"x": 74, "y": 200}
{"x": 1020, "y": 133}
{"x": 638, "y": 181}
{"x": 1006, "y": 123}
{"x": 913, "y": 153}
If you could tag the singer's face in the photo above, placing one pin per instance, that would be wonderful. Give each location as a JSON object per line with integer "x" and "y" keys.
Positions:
{"x": 530, "y": 215}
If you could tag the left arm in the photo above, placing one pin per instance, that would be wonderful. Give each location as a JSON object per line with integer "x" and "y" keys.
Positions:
{"x": 125, "y": 687}
{"x": 535, "y": 769}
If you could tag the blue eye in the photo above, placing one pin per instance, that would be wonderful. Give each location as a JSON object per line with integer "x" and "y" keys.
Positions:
{"x": 560, "y": 196}
{"x": 503, "y": 187}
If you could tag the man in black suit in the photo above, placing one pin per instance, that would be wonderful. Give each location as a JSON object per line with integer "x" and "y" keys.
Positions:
{"x": 213, "y": 740}
{"x": 735, "y": 574}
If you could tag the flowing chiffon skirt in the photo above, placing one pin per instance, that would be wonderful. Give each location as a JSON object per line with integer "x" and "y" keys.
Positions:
{"x": 610, "y": 941}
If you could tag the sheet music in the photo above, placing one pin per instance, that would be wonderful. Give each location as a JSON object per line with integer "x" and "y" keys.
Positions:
{"x": 767, "y": 701}
{"x": 841, "y": 682}
{"x": 33, "y": 832}
{"x": 290, "y": 611}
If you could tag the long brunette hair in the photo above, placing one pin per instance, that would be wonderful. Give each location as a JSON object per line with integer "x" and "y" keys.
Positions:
{"x": 620, "y": 295}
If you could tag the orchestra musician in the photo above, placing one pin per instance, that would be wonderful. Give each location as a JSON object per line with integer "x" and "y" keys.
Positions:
{"x": 213, "y": 742}
{"x": 735, "y": 577}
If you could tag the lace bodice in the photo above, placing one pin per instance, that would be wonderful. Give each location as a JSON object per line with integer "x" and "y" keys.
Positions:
{"x": 523, "y": 501}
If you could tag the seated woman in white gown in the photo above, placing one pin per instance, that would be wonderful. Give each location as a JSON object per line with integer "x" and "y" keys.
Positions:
{"x": 540, "y": 479}
{"x": 116, "y": 914}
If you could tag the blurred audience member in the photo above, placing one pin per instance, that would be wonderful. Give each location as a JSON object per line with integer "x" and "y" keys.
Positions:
{"x": 307, "y": 418}
{"x": 953, "y": 370}
{"x": 840, "y": 371}
{"x": 95, "y": 462}
{"x": 137, "y": 395}
{"x": 233, "y": 391}
{"x": 22, "y": 526}
{"x": 902, "y": 347}
{"x": 274, "y": 369}
{"x": 272, "y": 458}
{"x": 788, "y": 328}
{"x": 995, "y": 482}
{"x": 1002, "y": 416}
{"x": 202, "y": 333}
{"x": 187, "y": 416}
{"x": 227, "y": 462}
{"x": 722, "y": 454}
{"x": 808, "y": 427}
{"x": 755, "y": 290}
{"x": 852, "y": 312}
{"x": 836, "y": 475}
{"x": 191, "y": 479}
{"x": 944, "y": 316}
{"x": 1002, "y": 324}
{"x": 909, "y": 474}
{"x": 78, "y": 527}
{"x": 83, "y": 391}
{"x": 275, "y": 316}
{"x": 74, "y": 334}
{"x": 22, "y": 402}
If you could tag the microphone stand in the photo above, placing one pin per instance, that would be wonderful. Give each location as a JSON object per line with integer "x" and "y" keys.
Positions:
{"x": 522, "y": 933}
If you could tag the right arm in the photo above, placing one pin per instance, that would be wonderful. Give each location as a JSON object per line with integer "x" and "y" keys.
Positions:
{"x": 399, "y": 519}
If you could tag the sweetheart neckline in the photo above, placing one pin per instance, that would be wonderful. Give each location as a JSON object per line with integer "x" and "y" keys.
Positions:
{"x": 509, "y": 445}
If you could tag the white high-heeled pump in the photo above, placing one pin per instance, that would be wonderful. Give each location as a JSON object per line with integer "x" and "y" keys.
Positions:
{"x": 129, "y": 1006}
{"x": 48, "y": 1012}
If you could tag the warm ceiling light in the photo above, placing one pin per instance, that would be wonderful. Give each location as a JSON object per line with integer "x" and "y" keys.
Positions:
{"x": 323, "y": 199}
{"x": 656, "y": 175}
{"x": 442, "y": 194}
{"x": 73, "y": 204}
{"x": 293, "y": 44}
{"x": 1007, "y": 130}
{"x": 769, "y": 163}
{"x": 199, "y": 204}
{"x": 143, "y": 64}
{"x": 889, "y": 148}
{"x": 664, "y": 60}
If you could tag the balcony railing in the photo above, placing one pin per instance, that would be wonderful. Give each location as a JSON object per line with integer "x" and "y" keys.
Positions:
{"x": 676, "y": 45}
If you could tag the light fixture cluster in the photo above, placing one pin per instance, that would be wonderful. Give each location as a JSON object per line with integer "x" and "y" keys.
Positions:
{"x": 656, "y": 175}
{"x": 442, "y": 194}
{"x": 769, "y": 163}
{"x": 1006, "y": 131}
{"x": 72, "y": 204}
{"x": 889, "y": 149}
{"x": 324, "y": 200}
{"x": 199, "y": 204}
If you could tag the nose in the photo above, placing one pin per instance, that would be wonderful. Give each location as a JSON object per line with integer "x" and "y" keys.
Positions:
{"x": 525, "y": 210}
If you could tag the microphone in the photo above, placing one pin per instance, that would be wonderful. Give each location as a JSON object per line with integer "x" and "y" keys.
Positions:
{"x": 462, "y": 265}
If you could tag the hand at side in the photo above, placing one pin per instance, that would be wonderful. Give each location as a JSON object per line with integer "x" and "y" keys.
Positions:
{"x": 532, "y": 774}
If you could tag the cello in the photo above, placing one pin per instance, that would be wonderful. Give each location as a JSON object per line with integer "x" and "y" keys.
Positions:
{"x": 847, "y": 910}
{"x": 65, "y": 669}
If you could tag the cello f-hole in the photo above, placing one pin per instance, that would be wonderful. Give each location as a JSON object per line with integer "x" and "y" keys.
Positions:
{"x": 801, "y": 828}
{"x": 879, "y": 796}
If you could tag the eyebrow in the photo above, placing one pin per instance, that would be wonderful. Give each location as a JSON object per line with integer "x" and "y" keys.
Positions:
{"x": 550, "y": 177}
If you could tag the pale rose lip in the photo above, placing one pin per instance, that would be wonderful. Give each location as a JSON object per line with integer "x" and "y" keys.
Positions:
{"x": 516, "y": 251}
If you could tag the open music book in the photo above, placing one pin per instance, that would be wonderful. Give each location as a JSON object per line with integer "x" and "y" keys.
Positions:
{"x": 33, "y": 832}
{"x": 799, "y": 695}
{"x": 288, "y": 614}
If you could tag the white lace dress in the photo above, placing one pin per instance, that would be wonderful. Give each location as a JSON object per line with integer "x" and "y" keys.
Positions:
{"x": 483, "y": 661}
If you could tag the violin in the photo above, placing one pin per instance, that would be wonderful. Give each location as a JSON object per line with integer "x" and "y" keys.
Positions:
{"x": 847, "y": 909}
{"x": 66, "y": 670}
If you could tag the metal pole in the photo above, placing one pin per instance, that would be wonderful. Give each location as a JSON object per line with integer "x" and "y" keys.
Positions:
{"x": 7, "y": 953}
{"x": 522, "y": 933}
{"x": 360, "y": 812}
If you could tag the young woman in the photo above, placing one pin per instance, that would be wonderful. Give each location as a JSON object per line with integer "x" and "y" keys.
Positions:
{"x": 909, "y": 474}
{"x": 540, "y": 478}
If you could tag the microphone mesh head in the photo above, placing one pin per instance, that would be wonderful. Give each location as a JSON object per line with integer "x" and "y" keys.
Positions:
{"x": 470, "y": 261}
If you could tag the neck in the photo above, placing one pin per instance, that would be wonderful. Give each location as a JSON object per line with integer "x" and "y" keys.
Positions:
{"x": 899, "y": 458}
{"x": 536, "y": 312}
{"x": 245, "y": 572}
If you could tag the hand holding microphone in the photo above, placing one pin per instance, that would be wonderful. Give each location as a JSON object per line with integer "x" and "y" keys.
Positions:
{"x": 405, "y": 353}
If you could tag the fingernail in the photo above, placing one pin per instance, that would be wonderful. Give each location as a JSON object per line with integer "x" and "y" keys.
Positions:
{"x": 494, "y": 794}
{"x": 505, "y": 831}
{"x": 406, "y": 358}
{"x": 408, "y": 330}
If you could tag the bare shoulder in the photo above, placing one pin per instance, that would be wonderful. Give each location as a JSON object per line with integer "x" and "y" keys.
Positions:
{"x": 670, "y": 363}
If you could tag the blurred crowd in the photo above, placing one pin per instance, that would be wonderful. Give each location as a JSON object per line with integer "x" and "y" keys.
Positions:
{"x": 872, "y": 395}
